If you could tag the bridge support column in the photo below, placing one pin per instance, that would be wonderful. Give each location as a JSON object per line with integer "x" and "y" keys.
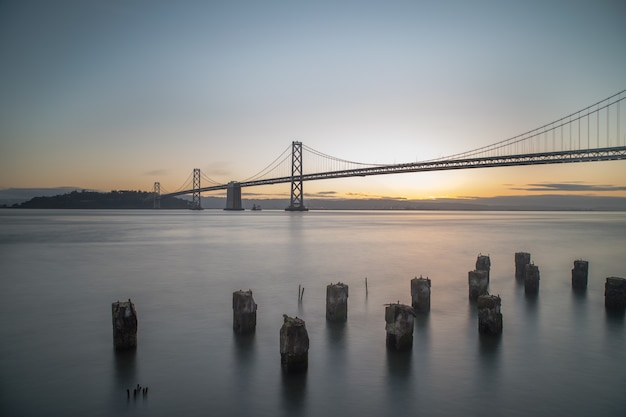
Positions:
{"x": 296, "y": 202}
{"x": 195, "y": 201}
{"x": 233, "y": 196}
{"x": 157, "y": 195}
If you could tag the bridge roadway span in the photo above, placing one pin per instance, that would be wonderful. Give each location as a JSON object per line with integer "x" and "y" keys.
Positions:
{"x": 559, "y": 157}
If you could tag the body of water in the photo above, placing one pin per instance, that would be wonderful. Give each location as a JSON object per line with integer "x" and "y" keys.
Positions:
{"x": 560, "y": 353}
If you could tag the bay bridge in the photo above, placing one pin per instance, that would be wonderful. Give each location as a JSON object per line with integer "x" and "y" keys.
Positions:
{"x": 590, "y": 134}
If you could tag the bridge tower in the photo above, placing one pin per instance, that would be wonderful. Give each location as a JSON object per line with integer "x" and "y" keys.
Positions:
{"x": 157, "y": 195}
{"x": 195, "y": 201}
{"x": 297, "y": 197}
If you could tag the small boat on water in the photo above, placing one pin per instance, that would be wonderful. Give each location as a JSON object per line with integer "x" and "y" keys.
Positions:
{"x": 256, "y": 208}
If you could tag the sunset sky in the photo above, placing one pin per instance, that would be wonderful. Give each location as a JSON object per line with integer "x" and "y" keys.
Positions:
{"x": 119, "y": 94}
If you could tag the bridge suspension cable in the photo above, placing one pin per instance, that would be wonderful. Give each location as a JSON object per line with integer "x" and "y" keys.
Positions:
{"x": 537, "y": 140}
{"x": 209, "y": 179}
{"x": 280, "y": 164}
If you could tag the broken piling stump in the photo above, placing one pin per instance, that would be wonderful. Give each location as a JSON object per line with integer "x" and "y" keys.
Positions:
{"x": 531, "y": 279}
{"x": 124, "y": 325}
{"x": 489, "y": 315}
{"x": 420, "y": 294}
{"x": 244, "y": 312}
{"x": 478, "y": 282}
{"x": 580, "y": 273}
{"x": 483, "y": 263}
{"x": 294, "y": 345}
{"x": 337, "y": 302}
{"x": 399, "y": 327}
{"x": 521, "y": 260}
{"x": 615, "y": 294}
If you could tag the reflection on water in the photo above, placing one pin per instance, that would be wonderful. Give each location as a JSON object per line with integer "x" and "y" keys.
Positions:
{"x": 293, "y": 393}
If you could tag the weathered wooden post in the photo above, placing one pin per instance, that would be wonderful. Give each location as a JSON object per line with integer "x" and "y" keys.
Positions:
{"x": 489, "y": 315}
{"x": 420, "y": 294}
{"x": 531, "y": 279}
{"x": 399, "y": 327}
{"x": 124, "y": 325}
{"x": 337, "y": 302}
{"x": 521, "y": 260}
{"x": 615, "y": 294}
{"x": 244, "y": 312}
{"x": 483, "y": 263}
{"x": 478, "y": 283}
{"x": 294, "y": 345}
{"x": 580, "y": 273}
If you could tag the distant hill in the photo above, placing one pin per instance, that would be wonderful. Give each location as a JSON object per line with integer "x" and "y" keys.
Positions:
{"x": 95, "y": 200}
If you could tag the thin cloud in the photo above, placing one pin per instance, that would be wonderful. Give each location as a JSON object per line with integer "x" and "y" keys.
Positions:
{"x": 575, "y": 186}
{"x": 156, "y": 172}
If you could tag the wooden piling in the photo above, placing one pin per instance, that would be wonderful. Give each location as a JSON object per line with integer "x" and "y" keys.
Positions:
{"x": 521, "y": 260}
{"x": 489, "y": 315}
{"x": 399, "y": 320}
{"x": 483, "y": 263}
{"x": 337, "y": 302}
{"x": 615, "y": 294}
{"x": 294, "y": 345}
{"x": 244, "y": 312}
{"x": 478, "y": 282}
{"x": 124, "y": 318}
{"x": 420, "y": 294}
{"x": 531, "y": 279}
{"x": 580, "y": 274}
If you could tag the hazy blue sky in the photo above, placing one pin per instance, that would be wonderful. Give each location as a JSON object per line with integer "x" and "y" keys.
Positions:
{"x": 119, "y": 94}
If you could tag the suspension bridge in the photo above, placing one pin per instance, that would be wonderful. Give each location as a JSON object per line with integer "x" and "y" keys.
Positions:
{"x": 590, "y": 134}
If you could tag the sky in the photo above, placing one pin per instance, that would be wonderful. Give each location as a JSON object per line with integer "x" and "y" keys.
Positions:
{"x": 119, "y": 94}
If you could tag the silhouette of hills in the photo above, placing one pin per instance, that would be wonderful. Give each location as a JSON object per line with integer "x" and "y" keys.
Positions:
{"x": 124, "y": 199}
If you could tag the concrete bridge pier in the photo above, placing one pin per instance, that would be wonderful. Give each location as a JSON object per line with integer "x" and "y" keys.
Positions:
{"x": 478, "y": 282}
{"x": 580, "y": 273}
{"x": 615, "y": 294}
{"x": 337, "y": 302}
{"x": 420, "y": 294}
{"x": 521, "y": 260}
{"x": 489, "y": 315}
{"x": 124, "y": 325}
{"x": 233, "y": 196}
{"x": 294, "y": 345}
{"x": 399, "y": 327}
{"x": 244, "y": 312}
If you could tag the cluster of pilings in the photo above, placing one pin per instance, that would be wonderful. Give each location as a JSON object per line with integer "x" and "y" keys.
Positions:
{"x": 399, "y": 318}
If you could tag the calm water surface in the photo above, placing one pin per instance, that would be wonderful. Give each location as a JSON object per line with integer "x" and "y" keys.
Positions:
{"x": 560, "y": 353}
